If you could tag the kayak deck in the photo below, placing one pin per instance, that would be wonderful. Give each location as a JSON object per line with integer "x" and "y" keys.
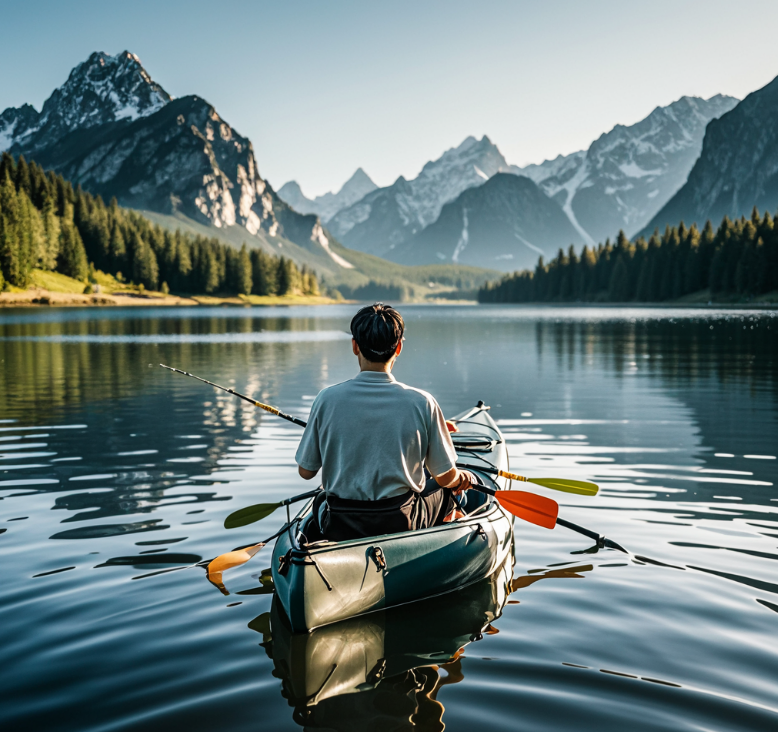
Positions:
{"x": 325, "y": 582}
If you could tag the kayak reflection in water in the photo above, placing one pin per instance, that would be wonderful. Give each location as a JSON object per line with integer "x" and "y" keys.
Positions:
{"x": 383, "y": 670}
{"x": 372, "y": 437}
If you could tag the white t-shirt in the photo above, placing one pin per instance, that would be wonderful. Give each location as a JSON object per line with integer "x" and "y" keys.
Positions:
{"x": 373, "y": 436}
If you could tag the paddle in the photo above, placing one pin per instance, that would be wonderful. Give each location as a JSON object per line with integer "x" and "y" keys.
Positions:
{"x": 258, "y": 511}
{"x": 237, "y": 557}
{"x": 542, "y": 512}
{"x": 534, "y": 509}
{"x": 580, "y": 487}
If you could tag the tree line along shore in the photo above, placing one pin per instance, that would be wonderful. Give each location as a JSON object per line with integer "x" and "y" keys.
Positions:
{"x": 46, "y": 224}
{"x": 738, "y": 261}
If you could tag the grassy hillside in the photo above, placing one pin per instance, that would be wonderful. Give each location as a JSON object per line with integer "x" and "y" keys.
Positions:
{"x": 371, "y": 276}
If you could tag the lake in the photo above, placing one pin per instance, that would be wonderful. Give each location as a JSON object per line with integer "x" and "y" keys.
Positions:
{"x": 116, "y": 475}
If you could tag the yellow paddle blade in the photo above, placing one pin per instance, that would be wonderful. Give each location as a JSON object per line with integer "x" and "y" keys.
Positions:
{"x": 580, "y": 487}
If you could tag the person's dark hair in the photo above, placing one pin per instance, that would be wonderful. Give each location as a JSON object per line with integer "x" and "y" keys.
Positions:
{"x": 378, "y": 330}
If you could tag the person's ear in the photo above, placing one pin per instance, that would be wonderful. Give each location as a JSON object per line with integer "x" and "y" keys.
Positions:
{"x": 399, "y": 348}
{"x": 354, "y": 346}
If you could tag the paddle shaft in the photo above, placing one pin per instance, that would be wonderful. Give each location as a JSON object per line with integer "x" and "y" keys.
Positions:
{"x": 599, "y": 538}
{"x": 266, "y": 407}
{"x": 494, "y": 471}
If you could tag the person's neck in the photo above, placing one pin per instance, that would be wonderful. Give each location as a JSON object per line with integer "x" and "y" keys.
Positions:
{"x": 386, "y": 367}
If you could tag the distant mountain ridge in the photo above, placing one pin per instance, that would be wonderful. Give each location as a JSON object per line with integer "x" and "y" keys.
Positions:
{"x": 327, "y": 205}
{"x": 387, "y": 217}
{"x": 507, "y": 222}
{"x": 737, "y": 168}
{"x": 620, "y": 182}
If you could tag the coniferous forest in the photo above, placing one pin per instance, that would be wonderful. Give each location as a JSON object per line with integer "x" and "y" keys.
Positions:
{"x": 740, "y": 259}
{"x": 46, "y": 224}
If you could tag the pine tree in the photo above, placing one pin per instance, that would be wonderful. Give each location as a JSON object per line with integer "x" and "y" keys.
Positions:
{"x": 144, "y": 262}
{"x": 72, "y": 257}
{"x": 22, "y": 180}
{"x": 619, "y": 284}
{"x": 45, "y": 223}
{"x": 244, "y": 272}
{"x": 10, "y": 263}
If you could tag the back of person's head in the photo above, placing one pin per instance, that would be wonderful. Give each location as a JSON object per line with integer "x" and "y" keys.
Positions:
{"x": 378, "y": 330}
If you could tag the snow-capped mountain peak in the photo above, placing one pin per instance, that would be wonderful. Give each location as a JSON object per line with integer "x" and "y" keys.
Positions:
{"x": 102, "y": 89}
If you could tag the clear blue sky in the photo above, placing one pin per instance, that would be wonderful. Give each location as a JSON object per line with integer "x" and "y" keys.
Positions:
{"x": 324, "y": 87}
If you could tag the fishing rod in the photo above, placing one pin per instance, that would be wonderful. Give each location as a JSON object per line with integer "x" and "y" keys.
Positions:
{"x": 533, "y": 514}
{"x": 266, "y": 407}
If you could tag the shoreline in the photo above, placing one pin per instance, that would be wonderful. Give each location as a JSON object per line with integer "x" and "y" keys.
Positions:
{"x": 40, "y": 297}
{"x": 672, "y": 305}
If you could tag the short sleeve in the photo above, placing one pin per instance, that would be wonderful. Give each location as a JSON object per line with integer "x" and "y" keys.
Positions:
{"x": 308, "y": 454}
{"x": 441, "y": 456}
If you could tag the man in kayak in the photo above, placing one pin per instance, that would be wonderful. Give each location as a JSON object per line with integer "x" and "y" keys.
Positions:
{"x": 373, "y": 437}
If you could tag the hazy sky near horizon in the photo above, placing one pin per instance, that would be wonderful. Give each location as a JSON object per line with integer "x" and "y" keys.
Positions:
{"x": 322, "y": 88}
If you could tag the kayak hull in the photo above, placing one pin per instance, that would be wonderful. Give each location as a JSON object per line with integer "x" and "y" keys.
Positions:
{"x": 355, "y": 655}
{"x": 326, "y": 582}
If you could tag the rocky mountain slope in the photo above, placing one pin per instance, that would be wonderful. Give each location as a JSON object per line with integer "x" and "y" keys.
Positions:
{"x": 326, "y": 206}
{"x": 504, "y": 224}
{"x": 116, "y": 132}
{"x": 737, "y": 169}
{"x": 628, "y": 174}
{"x": 388, "y": 217}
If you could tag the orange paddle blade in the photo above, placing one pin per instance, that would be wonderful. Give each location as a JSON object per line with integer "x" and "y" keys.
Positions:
{"x": 535, "y": 509}
{"x": 229, "y": 560}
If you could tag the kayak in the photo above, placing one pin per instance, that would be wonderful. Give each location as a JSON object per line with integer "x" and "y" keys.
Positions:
{"x": 325, "y": 582}
{"x": 357, "y": 655}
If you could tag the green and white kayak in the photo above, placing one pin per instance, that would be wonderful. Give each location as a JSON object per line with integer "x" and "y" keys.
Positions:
{"x": 325, "y": 582}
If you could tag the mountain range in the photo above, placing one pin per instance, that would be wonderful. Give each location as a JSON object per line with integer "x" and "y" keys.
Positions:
{"x": 115, "y": 131}
{"x": 620, "y": 182}
{"x": 737, "y": 168}
{"x": 388, "y": 217}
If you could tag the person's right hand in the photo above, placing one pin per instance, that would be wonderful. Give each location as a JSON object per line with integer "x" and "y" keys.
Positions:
{"x": 466, "y": 481}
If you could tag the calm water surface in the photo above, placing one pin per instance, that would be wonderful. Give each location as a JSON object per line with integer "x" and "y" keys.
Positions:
{"x": 115, "y": 475}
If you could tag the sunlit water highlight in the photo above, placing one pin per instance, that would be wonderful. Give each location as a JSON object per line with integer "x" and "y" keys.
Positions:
{"x": 115, "y": 476}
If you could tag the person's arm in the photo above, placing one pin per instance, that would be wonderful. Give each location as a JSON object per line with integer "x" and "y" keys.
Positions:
{"x": 442, "y": 457}
{"x": 455, "y": 479}
{"x": 308, "y": 455}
